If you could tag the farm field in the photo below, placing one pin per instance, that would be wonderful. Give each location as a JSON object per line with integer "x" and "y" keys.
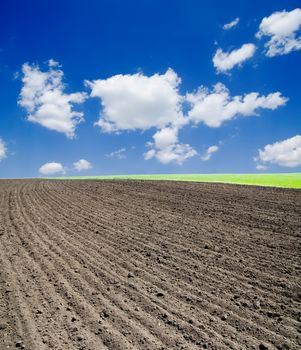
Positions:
{"x": 289, "y": 180}
{"x": 148, "y": 265}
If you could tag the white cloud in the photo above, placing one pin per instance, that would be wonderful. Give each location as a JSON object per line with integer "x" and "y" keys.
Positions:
{"x": 131, "y": 102}
{"x": 52, "y": 168}
{"x": 175, "y": 153}
{"x": 215, "y": 107}
{"x": 225, "y": 61}
{"x": 261, "y": 167}
{"x": 43, "y": 97}
{"x": 53, "y": 63}
{"x": 119, "y": 154}
{"x": 139, "y": 102}
{"x": 149, "y": 154}
{"x": 82, "y": 164}
{"x": 231, "y": 24}
{"x": 282, "y": 28}
{"x": 3, "y": 149}
{"x": 165, "y": 137}
{"x": 285, "y": 153}
{"x": 166, "y": 148}
{"x": 210, "y": 150}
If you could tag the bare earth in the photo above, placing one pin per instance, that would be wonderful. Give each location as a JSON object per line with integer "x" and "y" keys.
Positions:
{"x": 148, "y": 265}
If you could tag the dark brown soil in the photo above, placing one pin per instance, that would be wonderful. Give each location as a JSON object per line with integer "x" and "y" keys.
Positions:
{"x": 148, "y": 265}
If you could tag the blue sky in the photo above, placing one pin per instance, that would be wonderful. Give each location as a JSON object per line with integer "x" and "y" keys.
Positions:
{"x": 197, "y": 117}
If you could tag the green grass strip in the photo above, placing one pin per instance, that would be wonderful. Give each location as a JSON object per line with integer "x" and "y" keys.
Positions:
{"x": 288, "y": 180}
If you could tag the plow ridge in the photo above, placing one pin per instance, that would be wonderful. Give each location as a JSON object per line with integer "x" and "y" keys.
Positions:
{"x": 148, "y": 265}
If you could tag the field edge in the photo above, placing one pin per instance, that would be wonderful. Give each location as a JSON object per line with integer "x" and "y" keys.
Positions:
{"x": 282, "y": 180}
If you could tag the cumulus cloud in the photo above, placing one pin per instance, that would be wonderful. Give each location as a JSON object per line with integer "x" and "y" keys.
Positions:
{"x": 231, "y": 24}
{"x": 165, "y": 137}
{"x": 209, "y": 152}
{"x": 261, "y": 167}
{"x": 140, "y": 102}
{"x": 43, "y": 97}
{"x": 166, "y": 148}
{"x": 52, "y": 168}
{"x": 225, "y": 61}
{"x": 175, "y": 153}
{"x": 119, "y": 154}
{"x": 131, "y": 102}
{"x": 285, "y": 153}
{"x": 215, "y": 107}
{"x": 282, "y": 28}
{"x": 82, "y": 164}
{"x": 3, "y": 149}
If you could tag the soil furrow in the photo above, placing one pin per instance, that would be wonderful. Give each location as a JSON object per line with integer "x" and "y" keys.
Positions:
{"x": 149, "y": 265}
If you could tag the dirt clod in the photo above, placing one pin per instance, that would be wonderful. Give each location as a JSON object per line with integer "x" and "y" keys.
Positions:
{"x": 3, "y": 326}
{"x": 19, "y": 344}
{"x": 148, "y": 265}
{"x": 224, "y": 317}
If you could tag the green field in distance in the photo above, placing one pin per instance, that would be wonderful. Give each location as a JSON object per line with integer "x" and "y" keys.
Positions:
{"x": 289, "y": 180}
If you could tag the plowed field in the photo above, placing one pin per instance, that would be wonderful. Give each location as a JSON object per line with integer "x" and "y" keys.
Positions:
{"x": 148, "y": 265}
